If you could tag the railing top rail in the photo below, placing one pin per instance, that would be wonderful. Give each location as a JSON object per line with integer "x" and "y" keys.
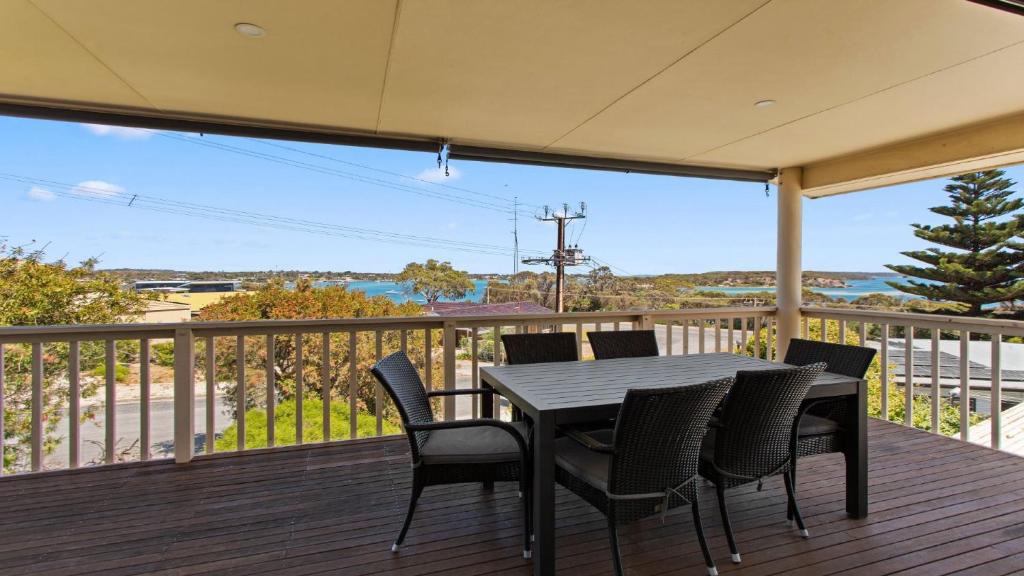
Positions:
{"x": 988, "y": 325}
{"x": 130, "y": 331}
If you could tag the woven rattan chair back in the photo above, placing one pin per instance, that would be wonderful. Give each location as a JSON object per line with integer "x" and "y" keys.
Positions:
{"x": 756, "y": 426}
{"x": 842, "y": 359}
{"x": 624, "y": 344}
{"x": 401, "y": 380}
{"x": 536, "y": 348}
{"x": 658, "y": 435}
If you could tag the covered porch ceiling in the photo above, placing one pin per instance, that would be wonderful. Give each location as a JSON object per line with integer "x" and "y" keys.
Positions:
{"x": 866, "y": 93}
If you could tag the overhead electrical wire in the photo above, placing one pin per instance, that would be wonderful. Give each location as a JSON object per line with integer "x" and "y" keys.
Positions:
{"x": 157, "y": 204}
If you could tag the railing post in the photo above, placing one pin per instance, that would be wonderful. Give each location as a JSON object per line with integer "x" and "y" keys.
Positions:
{"x": 450, "y": 343}
{"x": 788, "y": 268}
{"x": 184, "y": 396}
{"x": 646, "y": 322}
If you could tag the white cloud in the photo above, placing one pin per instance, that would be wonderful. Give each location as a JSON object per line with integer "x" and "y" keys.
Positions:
{"x": 437, "y": 174}
{"x": 122, "y": 132}
{"x": 97, "y": 189}
{"x": 41, "y": 194}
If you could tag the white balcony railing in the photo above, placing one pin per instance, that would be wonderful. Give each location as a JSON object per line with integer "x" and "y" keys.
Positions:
{"x": 432, "y": 342}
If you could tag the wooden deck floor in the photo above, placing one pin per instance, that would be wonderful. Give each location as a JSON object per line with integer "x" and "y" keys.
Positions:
{"x": 938, "y": 506}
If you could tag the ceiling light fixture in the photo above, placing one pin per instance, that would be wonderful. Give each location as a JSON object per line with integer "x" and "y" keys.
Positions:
{"x": 764, "y": 103}
{"x": 250, "y": 30}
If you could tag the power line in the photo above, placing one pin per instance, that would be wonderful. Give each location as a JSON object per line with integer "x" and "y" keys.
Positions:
{"x": 157, "y": 204}
{"x": 471, "y": 202}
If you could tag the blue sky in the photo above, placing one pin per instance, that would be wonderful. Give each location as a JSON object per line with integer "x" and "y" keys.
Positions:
{"x": 640, "y": 224}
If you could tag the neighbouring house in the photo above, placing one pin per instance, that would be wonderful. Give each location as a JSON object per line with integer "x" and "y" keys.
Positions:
{"x": 159, "y": 311}
{"x": 463, "y": 309}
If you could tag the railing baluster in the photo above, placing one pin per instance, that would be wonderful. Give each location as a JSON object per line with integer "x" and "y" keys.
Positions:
{"x": 496, "y": 336}
{"x": 668, "y": 337}
{"x": 732, "y": 343}
{"x": 353, "y": 386}
{"x": 936, "y": 391}
{"x": 579, "y": 339}
{"x": 743, "y": 336}
{"x": 211, "y": 394}
{"x": 300, "y": 389}
{"x": 110, "y": 420}
{"x": 403, "y": 341}
{"x": 449, "y": 342}
{"x": 75, "y": 401}
{"x": 805, "y": 323}
{"x": 842, "y": 331}
{"x": 908, "y": 375}
{"x": 718, "y": 334}
{"x": 863, "y": 333}
{"x": 184, "y": 395}
{"x": 325, "y": 384}
{"x": 240, "y": 390}
{"x": 965, "y": 385}
{"x": 37, "y": 406}
{"x": 474, "y": 353}
{"x": 428, "y": 353}
{"x": 271, "y": 390}
{"x": 378, "y": 390}
{"x": 824, "y": 329}
{"x": 616, "y": 326}
{"x": 884, "y": 375}
{"x": 686, "y": 336}
{"x": 144, "y": 386}
{"x": 700, "y": 336}
{"x": 769, "y": 348}
{"x": 997, "y": 392}
{"x": 756, "y": 328}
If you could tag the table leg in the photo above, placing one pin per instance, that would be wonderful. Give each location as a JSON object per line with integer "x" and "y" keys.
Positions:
{"x": 544, "y": 495}
{"x": 856, "y": 453}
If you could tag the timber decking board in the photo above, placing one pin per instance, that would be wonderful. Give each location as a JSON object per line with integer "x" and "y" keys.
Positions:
{"x": 938, "y": 506}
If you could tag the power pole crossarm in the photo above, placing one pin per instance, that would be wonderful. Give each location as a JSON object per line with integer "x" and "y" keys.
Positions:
{"x": 562, "y": 256}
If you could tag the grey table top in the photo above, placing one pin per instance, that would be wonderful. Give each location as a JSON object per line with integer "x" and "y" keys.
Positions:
{"x": 591, "y": 384}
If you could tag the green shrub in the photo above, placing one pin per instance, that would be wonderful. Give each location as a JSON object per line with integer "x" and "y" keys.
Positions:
{"x": 312, "y": 425}
{"x": 121, "y": 372}
{"x": 163, "y": 354}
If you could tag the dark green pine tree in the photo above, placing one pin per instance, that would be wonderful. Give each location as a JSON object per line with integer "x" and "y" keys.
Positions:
{"x": 985, "y": 263}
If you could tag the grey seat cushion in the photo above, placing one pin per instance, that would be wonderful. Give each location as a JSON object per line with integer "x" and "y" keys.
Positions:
{"x": 811, "y": 425}
{"x": 582, "y": 463}
{"x": 474, "y": 445}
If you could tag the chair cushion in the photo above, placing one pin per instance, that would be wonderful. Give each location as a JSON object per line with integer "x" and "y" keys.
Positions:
{"x": 474, "y": 445}
{"x": 811, "y": 425}
{"x": 585, "y": 464}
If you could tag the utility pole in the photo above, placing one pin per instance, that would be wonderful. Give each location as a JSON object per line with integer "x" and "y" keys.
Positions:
{"x": 562, "y": 256}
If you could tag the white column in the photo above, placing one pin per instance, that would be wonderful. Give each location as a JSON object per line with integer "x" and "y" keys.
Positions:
{"x": 788, "y": 268}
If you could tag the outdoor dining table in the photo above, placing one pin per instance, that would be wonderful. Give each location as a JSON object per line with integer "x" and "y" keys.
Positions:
{"x": 559, "y": 393}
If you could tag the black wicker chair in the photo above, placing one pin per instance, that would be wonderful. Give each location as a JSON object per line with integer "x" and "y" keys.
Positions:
{"x": 624, "y": 344}
{"x": 453, "y": 452}
{"x": 821, "y": 423}
{"x": 752, "y": 439}
{"x": 650, "y": 465}
{"x": 536, "y": 348}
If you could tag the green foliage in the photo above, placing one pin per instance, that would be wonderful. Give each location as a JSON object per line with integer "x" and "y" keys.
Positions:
{"x": 312, "y": 425}
{"x": 163, "y": 354}
{"x": 35, "y": 292}
{"x": 274, "y": 302}
{"x": 949, "y": 415}
{"x": 121, "y": 372}
{"x": 435, "y": 280}
{"x": 984, "y": 264}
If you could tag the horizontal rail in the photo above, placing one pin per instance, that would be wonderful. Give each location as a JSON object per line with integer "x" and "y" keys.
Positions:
{"x": 942, "y": 322}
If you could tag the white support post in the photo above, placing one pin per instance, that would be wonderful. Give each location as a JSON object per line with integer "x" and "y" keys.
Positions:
{"x": 788, "y": 253}
{"x": 184, "y": 396}
{"x": 450, "y": 337}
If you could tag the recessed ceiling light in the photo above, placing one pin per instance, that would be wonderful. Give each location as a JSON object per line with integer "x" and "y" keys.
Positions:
{"x": 764, "y": 103}
{"x": 250, "y": 30}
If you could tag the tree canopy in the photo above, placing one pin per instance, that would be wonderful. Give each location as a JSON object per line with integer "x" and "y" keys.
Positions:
{"x": 435, "y": 280}
{"x": 980, "y": 256}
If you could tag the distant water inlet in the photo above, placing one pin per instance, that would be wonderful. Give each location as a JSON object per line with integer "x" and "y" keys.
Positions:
{"x": 854, "y": 290}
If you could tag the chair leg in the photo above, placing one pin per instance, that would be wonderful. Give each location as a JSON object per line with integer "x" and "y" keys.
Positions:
{"x": 733, "y": 551}
{"x": 699, "y": 527}
{"x": 791, "y": 494}
{"x": 789, "y": 506}
{"x": 417, "y": 489}
{"x": 613, "y": 538}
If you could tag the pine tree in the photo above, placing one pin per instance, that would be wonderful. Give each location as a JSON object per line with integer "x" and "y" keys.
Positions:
{"x": 985, "y": 264}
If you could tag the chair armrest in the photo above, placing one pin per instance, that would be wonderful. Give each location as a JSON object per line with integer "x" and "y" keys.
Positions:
{"x": 459, "y": 391}
{"x": 510, "y": 429}
{"x": 587, "y": 441}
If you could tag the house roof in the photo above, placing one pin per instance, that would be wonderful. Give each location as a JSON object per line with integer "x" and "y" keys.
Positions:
{"x": 476, "y": 309}
{"x": 866, "y": 93}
